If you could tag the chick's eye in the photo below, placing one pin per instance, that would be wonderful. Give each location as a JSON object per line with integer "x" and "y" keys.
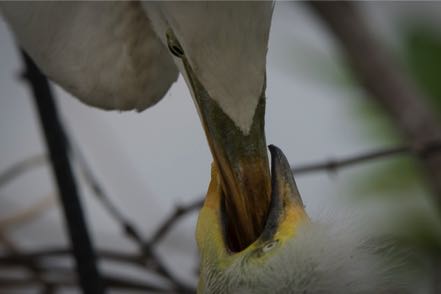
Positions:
{"x": 269, "y": 246}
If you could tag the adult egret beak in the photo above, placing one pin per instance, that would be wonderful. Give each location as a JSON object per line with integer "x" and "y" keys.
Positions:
{"x": 242, "y": 161}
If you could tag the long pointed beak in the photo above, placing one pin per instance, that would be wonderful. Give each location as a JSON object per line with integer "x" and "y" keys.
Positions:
{"x": 243, "y": 165}
{"x": 242, "y": 162}
{"x": 286, "y": 210}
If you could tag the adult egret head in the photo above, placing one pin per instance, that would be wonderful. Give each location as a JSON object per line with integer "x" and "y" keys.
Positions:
{"x": 253, "y": 233}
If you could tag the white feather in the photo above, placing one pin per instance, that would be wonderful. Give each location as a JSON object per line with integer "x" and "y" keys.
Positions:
{"x": 104, "y": 53}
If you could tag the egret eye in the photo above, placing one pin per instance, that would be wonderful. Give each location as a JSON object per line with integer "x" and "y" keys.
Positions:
{"x": 269, "y": 246}
{"x": 174, "y": 46}
{"x": 176, "y": 50}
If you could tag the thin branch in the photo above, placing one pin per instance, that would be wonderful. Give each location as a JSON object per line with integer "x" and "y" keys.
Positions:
{"x": 17, "y": 169}
{"x": 69, "y": 281}
{"x": 31, "y": 265}
{"x": 336, "y": 164}
{"x": 179, "y": 212}
{"x": 28, "y": 214}
{"x": 22, "y": 258}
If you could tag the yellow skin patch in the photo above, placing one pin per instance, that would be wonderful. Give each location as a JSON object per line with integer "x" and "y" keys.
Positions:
{"x": 292, "y": 218}
{"x": 215, "y": 256}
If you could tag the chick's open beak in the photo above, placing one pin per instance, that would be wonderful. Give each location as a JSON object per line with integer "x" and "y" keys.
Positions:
{"x": 285, "y": 213}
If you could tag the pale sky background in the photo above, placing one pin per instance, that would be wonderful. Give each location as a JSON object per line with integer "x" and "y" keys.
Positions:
{"x": 153, "y": 160}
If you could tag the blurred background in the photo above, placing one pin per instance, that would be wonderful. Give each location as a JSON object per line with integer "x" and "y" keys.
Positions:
{"x": 152, "y": 162}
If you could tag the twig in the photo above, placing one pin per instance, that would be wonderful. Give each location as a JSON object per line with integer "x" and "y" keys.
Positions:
{"x": 24, "y": 217}
{"x": 28, "y": 214}
{"x": 173, "y": 218}
{"x": 336, "y": 164}
{"x": 25, "y": 165}
{"x": 68, "y": 281}
{"x": 31, "y": 265}
{"x": 22, "y": 258}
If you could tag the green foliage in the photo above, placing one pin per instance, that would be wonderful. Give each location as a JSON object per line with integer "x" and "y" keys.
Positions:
{"x": 423, "y": 53}
{"x": 401, "y": 177}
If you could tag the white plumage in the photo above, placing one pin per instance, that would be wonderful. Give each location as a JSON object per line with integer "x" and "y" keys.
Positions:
{"x": 104, "y": 53}
{"x": 322, "y": 258}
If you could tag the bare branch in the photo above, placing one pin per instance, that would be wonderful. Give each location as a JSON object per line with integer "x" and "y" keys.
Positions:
{"x": 335, "y": 164}
{"x": 179, "y": 212}
{"x": 17, "y": 169}
{"x": 69, "y": 281}
{"x": 28, "y": 214}
{"x": 31, "y": 265}
{"x": 22, "y": 258}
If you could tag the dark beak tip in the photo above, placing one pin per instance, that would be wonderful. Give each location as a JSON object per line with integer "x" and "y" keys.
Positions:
{"x": 274, "y": 149}
{"x": 281, "y": 174}
{"x": 279, "y": 163}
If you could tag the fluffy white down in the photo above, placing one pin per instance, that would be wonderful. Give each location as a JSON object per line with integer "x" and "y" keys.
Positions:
{"x": 104, "y": 53}
{"x": 331, "y": 258}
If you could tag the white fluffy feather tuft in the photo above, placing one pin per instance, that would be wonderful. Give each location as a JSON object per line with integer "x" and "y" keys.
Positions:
{"x": 332, "y": 258}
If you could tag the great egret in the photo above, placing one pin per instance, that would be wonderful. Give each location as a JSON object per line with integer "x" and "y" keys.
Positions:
{"x": 253, "y": 233}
